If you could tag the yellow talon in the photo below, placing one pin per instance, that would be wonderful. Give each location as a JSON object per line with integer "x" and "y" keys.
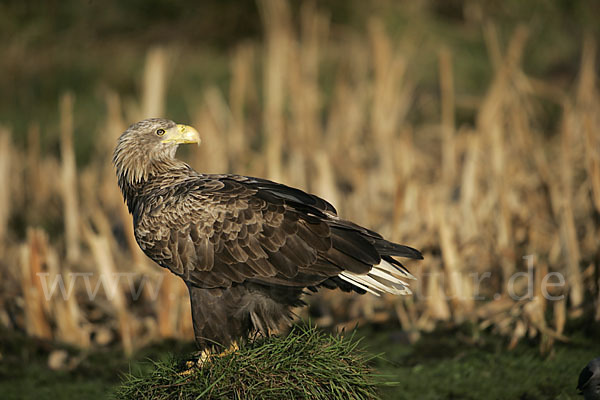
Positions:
{"x": 205, "y": 357}
{"x": 231, "y": 349}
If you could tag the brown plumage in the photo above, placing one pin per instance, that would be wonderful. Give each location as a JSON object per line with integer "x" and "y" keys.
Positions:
{"x": 246, "y": 247}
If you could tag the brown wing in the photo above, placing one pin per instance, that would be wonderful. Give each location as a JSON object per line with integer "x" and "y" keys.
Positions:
{"x": 217, "y": 230}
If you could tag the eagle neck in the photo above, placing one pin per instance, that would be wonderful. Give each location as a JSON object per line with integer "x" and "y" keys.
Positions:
{"x": 138, "y": 187}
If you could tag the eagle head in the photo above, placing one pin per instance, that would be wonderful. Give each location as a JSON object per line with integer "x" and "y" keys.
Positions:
{"x": 148, "y": 147}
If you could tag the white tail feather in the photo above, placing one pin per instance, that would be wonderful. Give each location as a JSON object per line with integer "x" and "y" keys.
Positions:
{"x": 349, "y": 278}
{"x": 387, "y": 276}
{"x": 382, "y": 278}
{"x": 394, "y": 270}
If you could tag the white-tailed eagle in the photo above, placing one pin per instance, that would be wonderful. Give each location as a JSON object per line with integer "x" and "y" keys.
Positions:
{"x": 247, "y": 248}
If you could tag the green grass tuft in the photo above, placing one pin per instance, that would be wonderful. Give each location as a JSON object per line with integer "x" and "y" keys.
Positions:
{"x": 305, "y": 364}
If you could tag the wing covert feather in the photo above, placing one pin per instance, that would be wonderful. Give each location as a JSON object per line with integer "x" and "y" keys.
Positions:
{"x": 222, "y": 230}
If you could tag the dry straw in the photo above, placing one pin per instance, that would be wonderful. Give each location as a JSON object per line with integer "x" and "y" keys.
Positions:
{"x": 476, "y": 199}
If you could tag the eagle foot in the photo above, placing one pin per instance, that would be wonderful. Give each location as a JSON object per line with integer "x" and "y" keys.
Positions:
{"x": 204, "y": 357}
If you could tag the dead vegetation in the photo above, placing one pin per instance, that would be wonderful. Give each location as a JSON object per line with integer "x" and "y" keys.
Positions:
{"x": 483, "y": 201}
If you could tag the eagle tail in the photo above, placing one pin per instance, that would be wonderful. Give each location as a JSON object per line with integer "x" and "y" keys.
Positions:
{"x": 388, "y": 275}
{"x": 385, "y": 277}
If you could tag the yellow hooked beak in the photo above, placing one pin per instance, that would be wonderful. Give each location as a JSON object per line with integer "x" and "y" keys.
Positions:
{"x": 182, "y": 134}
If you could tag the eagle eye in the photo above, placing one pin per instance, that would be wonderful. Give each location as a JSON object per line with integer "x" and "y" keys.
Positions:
{"x": 160, "y": 132}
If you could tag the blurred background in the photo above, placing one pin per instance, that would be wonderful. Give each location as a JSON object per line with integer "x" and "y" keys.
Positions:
{"x": 468, "y": 129}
